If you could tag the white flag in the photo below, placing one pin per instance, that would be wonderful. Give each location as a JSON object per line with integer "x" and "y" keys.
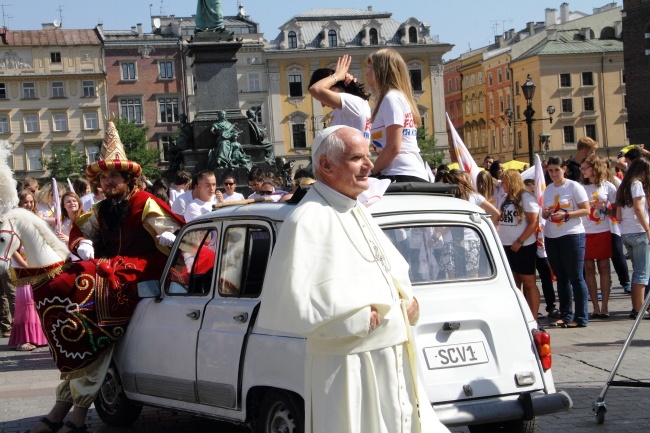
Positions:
{"x": 465, "y": 160}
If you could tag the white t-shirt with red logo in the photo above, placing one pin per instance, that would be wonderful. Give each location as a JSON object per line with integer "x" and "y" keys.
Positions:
{"x": 355, "y": 112}
{"x": 597, "y": 221}
{"x": 395, "y": 110}
{"x": 568, "y": 196}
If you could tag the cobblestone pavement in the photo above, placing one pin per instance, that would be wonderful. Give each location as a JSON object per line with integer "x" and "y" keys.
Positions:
{"x": 582, "y": 361}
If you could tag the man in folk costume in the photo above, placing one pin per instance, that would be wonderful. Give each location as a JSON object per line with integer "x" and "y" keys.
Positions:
{"x": 345, "y": 287}
{"x": 123, "y": 240}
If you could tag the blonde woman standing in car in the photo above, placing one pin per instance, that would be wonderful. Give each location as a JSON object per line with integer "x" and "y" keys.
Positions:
{"x": 395, "y": 119}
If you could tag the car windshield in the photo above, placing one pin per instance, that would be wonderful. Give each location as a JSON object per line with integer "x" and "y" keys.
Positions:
{"x": 439, "y": 253}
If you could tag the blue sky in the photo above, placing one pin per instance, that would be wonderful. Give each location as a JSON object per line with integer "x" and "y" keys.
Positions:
{"x": 464, "y": 23}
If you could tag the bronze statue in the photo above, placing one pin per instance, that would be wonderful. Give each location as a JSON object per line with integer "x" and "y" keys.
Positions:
{"x": 183, "y": 141}
{"x": 258, "y": 137}
{"x": 209, "y": 16}
{"x": 228, "y": 152}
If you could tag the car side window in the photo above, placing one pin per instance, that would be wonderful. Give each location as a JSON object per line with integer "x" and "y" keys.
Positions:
{"x": 439, "y": 253}
{"x": 194, "y": 261}
{"x": 245, "y": 255}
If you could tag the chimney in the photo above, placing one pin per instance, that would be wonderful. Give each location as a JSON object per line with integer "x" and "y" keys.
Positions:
{"x": 585, "y": 32}
{"x": 551, "y": 34}
{"x": 133, "y": 29}
{"x": 530, "y": 27}
{"x": 550, "y": 17}
{"x": 100, "y": 27}
{"x": 511, "y": 33}
{"x": 369, "y": 8}
{"x": 564, "y": 13}
{"x": 498, "y": 39}
{"x": 139, "y": 29}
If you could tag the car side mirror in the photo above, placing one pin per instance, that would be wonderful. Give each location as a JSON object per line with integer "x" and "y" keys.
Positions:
{"x": 149, "y": 289}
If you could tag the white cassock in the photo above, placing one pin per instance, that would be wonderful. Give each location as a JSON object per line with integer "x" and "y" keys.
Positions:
{"x": 332, "y": 262}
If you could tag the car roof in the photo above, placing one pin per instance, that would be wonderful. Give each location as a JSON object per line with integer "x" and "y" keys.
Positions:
{"x": 425, "y": 198}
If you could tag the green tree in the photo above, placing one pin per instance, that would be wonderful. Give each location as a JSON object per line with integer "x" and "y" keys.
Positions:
{"x": 428, "y": 148}
{"x": 65, "y": 163}
{"x": 134, "y": 139}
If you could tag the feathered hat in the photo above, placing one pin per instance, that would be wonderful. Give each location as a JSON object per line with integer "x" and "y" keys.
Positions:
{"x": 8, "y": 193}
{"x": 113, "y": 156}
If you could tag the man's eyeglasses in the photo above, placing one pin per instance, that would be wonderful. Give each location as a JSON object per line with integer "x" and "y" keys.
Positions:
{"x": 265, "y": 192}
{"x": 229, "y": 183}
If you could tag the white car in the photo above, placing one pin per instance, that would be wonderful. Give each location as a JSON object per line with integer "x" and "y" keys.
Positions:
{"x": 193, "y": 343}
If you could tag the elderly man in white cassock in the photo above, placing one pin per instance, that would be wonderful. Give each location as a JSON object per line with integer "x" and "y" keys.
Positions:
{"x": 344, "y": 286}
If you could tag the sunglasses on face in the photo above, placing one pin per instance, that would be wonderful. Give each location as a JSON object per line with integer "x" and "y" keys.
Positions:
{"x": 228, "y": 183}
{"x": 265, "y": 192}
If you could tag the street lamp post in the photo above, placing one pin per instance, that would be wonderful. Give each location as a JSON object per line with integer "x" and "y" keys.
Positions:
{"x": 528, "y": 89}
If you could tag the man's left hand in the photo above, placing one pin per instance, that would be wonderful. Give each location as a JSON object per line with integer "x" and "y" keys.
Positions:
{"x": 166, "y": 239}
{"x": 413, "y": 312}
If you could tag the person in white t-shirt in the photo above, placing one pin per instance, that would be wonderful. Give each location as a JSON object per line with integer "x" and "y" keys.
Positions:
{"x": 229, "y": 185}
{"x": 517, "y": 226}
{"x": 182, "y": 182}
{"x": 395, "y": 119}
{"x": 632, "y": 214}
{"x": 565, "y": 203}
{"x": 206, "y": 189}
{"x": 341, "y": 91}
{"x": 598, "y": 244}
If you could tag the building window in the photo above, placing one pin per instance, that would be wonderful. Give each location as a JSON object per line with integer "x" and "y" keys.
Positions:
{"x": 299, "y": 135}
{"x": 168, "y": 109}
{"x": 57, "y": 89}
{"x": 91, "y": 121}
{"x": 467, "y": 108}
{"x": 88, "y": 88}
{"x": 60, "y": 121}
{"x": 517, "y": 88}
{"x": 31, "y": 123}
{"x": 491, "y": 105}
{"x": 590, "y": 131}
{"x": 29, "y": 91}
{"x": 449, "y": 85}
{"x": 413, "y": 35}
{"x": 507, "y": 74}
{"x": 489, "y": 78}
{"x": 293, "y": 40}
{"x": 457, "y": 83}
{"x": 569, "y": 134}
{"x": 374, "y": 37}
{"x": 416, "y": 79}
{"x": 331, "y": 36}
{"x": 480, "y": 77}
{"x": 128, "y": 71}
{"x": 503, "y": 138}
{"x": 257, "y": 112}
{"x": 565, "y": 80}
{"x": 3, "y": 91}
{"x": 131, "y": 109}
{"x": 501, "y": 109}
{"x": 165, "y": 143}
{"x": 4, "y": 124}
{"x": 588, "y": 103}
{"x": 499, "y": 76}
{"x": 481, "y": 105}
{"x": 295, "y": 85}
{"x": 474, "y": 106}
{"x": 473, "y": 79}
{"x": 567, "y": 105}
{"x": 519, "y": 140}
{"x": 55, "y": 57}
{"x": 34, "y": 156}
{"x": 166, "y": 70}
{"x": 92, "y": 153}
{"x": 254, "y": 82}
{"x": 587, "y": 78}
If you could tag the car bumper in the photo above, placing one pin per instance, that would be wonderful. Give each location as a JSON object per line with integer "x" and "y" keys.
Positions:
{"x": 504, "y": 408}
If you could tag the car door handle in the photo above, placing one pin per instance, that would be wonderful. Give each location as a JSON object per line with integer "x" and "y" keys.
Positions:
{"x": 242, "y": 318}
{"x": 194, "y": 315}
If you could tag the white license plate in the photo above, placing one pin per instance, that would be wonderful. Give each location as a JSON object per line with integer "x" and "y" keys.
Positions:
{"x": 455, "y": 355}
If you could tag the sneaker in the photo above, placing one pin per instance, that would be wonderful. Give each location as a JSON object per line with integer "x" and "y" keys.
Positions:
{"x": 634, "y": 314}
{"x": 555, "y": 314}
{"x": 540, "y": 316}
{"x": 627, "y": 288}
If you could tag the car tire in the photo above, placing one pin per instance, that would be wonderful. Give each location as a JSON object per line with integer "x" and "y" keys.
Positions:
{"x": 112, "y": 405}
{"x": 514, "y": 426}
{"x": 281, "y": 412}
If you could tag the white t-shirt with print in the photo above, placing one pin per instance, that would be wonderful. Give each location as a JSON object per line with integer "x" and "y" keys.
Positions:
{"x": 597, "y": 221}
{"x": 629, "y": 223}
{"x": 197, "y": 208}
{"x": 512, "y": 225}
{"x": 567, "y": 196}
{"x": 395, "y": 110}
{"x": 355, "y": 112}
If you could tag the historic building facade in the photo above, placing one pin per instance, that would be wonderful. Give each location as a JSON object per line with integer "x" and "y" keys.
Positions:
{"x": 636, "y": 38}
{"x": 52, "y": 84}
{"x": 315, "y": 39}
